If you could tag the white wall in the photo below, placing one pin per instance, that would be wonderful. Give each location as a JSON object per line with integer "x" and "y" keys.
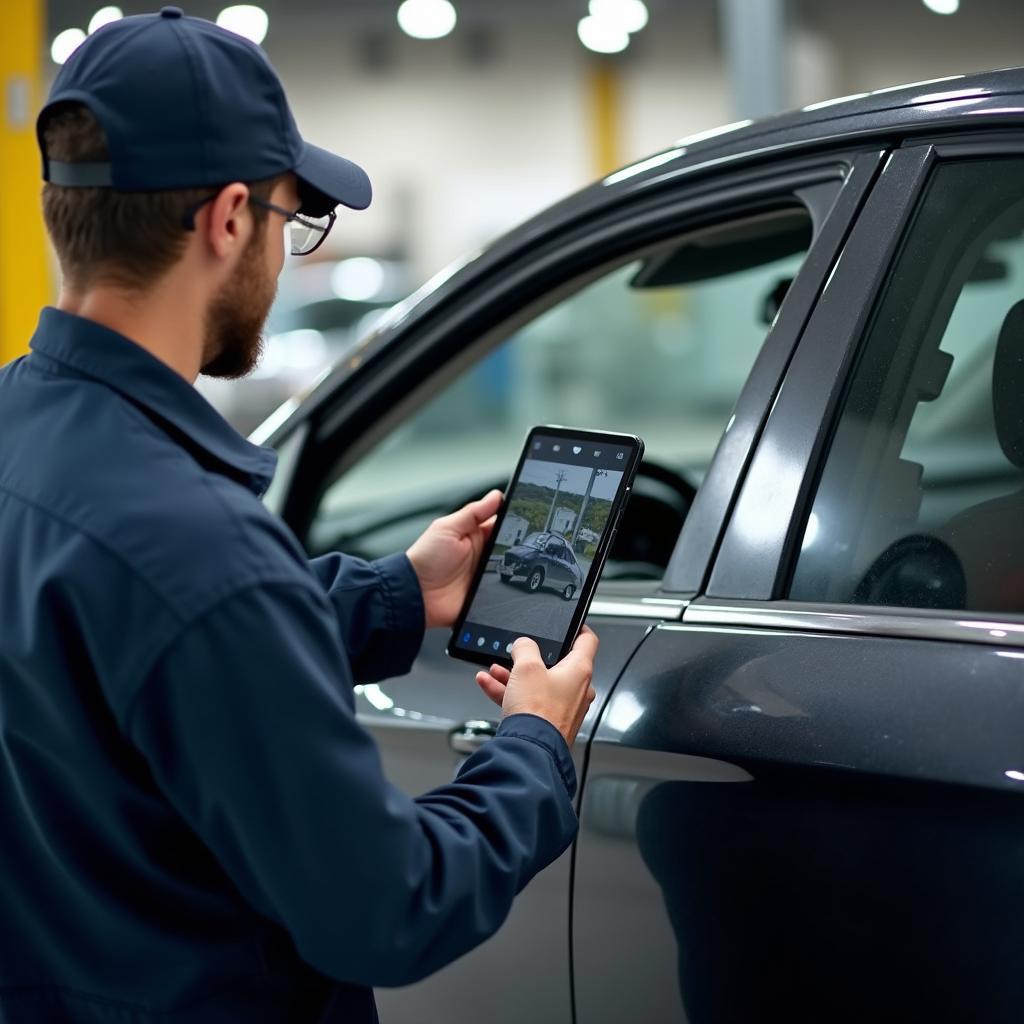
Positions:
{"x": 461, "y": 149}
{"x": 878, "y": 43}
{"x": 459, "y": 152}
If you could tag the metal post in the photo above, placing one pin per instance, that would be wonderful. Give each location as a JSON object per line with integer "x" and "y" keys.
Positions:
{"x": 586, "y": 501}
{"x": 604, "y": 106}
{"x": 24, "y": 272}
{"x": 754, "y": 43}
{"x": 559, "y": 480}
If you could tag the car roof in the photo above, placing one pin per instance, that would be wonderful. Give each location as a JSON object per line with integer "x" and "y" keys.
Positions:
{"x": 992, "y": 99}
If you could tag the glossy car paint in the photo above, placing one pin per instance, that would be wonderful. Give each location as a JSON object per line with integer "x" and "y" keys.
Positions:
{"x": 783, "y": 826}
{"x": 779, "y": 821}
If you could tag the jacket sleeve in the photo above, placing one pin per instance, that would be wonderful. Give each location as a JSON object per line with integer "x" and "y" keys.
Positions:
{"x": 251, "y": 738}
{"x": 378, "y": 607}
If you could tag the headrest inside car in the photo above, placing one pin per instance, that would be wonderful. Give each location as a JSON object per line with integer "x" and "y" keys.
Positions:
{"x": 1008, "y": 385}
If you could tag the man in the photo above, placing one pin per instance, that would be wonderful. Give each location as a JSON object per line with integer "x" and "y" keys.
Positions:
{"x": 194, "y": 826}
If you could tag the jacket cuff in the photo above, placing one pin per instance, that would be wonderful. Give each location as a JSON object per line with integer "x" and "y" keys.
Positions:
{"x": 404, "y": 613}
{"x": 540, "y": 731}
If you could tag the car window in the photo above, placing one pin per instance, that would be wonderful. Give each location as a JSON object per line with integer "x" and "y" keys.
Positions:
{"x": 921, "y": 499}
{"x": 659, "y": 346}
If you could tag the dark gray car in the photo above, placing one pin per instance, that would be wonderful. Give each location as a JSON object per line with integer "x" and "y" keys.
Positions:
{"x": 799, "y": 775}
{"x": 542, "y": 560}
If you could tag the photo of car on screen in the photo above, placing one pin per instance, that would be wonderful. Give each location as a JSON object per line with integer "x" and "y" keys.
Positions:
{"x": 556, "y": 517}
{"x": 542, "y": 560}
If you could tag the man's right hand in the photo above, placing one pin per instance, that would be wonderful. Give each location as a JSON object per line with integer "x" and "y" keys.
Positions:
{"x": 561, "y": 694}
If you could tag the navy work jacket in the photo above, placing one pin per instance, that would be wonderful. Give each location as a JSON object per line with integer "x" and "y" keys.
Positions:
{"x": 193, "y": 825}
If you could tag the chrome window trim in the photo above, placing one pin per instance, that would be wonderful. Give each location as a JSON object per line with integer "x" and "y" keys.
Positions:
{"x": 289, "y": 451}
{"x": 907, "y": 623}
{"x": 664, "y": 608}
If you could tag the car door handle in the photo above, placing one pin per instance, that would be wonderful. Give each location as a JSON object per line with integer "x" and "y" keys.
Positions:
{"x": 470, "y": 736}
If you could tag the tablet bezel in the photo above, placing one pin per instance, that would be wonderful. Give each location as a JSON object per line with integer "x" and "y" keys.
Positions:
{"x": 636, "y": 446}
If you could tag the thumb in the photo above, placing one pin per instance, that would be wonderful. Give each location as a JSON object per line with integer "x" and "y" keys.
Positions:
{"x": 525, "y": 653}
{"x": 472, "y": 515}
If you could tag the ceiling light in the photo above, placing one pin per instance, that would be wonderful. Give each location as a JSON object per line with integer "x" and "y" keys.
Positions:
{"x": 629, "y": 15}
{"x": 65, "y": 43}
{"x": 602, "y": 36}
{"x": 104, "y": 16}
{"x": 426, "y": 19}
{"x": 943, "y": 6}
{"x": 245, "y": 20}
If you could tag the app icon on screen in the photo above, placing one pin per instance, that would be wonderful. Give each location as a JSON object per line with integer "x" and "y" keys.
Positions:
{"x": 467, "y": 637}
{"x": 480, "y": 641}
{"x": 496, "y": 645}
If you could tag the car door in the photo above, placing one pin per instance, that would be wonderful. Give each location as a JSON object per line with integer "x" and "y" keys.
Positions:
{"x": 559, "y": 565}
{"x": 803, "y": 800}
{"x": 647, "y": 318}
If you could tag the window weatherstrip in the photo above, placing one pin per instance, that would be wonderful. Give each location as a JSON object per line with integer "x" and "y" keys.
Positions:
{"x": 909, "y": 623}
{"x": 665, "y": 609}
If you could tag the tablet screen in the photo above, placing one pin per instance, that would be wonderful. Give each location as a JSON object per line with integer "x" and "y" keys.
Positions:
{"x": 560, "y": 507}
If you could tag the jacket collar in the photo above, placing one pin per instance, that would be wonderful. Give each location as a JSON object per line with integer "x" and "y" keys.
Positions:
{"x": 161, "y": 393}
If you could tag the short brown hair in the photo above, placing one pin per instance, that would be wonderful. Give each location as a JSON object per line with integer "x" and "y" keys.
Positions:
{"x": 101, "y": 235}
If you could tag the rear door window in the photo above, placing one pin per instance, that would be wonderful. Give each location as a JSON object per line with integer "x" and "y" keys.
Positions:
{"x": 921, "y": 499}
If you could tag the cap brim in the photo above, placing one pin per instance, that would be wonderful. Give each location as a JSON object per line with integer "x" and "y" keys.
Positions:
{"x": 330, "y": 180}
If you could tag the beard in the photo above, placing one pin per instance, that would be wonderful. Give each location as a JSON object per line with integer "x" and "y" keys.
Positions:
{"x": 233, "y": 340}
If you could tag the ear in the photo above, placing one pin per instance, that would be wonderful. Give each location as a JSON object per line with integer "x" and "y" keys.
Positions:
{"x": 228, "y": 222}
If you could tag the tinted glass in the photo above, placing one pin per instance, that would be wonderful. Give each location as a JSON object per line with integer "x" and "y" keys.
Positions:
{"x": 659, "y": 346}
{"x": 921, "y": 500}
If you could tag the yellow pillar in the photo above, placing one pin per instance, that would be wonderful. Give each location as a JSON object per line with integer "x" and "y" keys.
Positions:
{"x": 24, "y": 268}
{"x": 605, "y": 114}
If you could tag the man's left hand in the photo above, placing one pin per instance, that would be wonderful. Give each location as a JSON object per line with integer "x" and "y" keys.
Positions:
{"x": 446, "y": 555}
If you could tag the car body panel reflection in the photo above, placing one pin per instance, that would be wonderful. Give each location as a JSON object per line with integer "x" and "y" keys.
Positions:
{"x": 869, "y": 865}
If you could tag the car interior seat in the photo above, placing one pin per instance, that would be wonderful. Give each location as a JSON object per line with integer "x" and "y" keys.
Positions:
{"x": 988, "y": 538}
{"x": 919, "y": 571}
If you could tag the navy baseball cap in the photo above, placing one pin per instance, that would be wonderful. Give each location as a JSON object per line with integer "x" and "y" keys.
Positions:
{"x": 187, "y": 104}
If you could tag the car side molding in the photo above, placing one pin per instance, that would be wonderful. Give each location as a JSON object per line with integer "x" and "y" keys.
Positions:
{"x": 920, "y": 624}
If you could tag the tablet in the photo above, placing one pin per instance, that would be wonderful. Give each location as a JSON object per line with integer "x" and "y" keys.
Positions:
{"x": 540, "y": 567}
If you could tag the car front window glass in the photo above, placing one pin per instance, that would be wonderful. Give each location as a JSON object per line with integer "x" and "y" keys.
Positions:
{"x": 658, "y": 346}
{"x": 921, "y": 499}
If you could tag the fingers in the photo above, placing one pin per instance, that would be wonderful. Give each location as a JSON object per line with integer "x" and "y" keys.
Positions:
{"x": 471, "y": 516}
{"x": 585, "y": 646}
{"x": 494, "y": 689}
{"x": 488, "y": 505}
{"x": 500, "y": 673}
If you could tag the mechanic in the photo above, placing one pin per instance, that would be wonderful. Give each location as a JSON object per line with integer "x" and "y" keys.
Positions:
{"x": 195, "y": 827}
